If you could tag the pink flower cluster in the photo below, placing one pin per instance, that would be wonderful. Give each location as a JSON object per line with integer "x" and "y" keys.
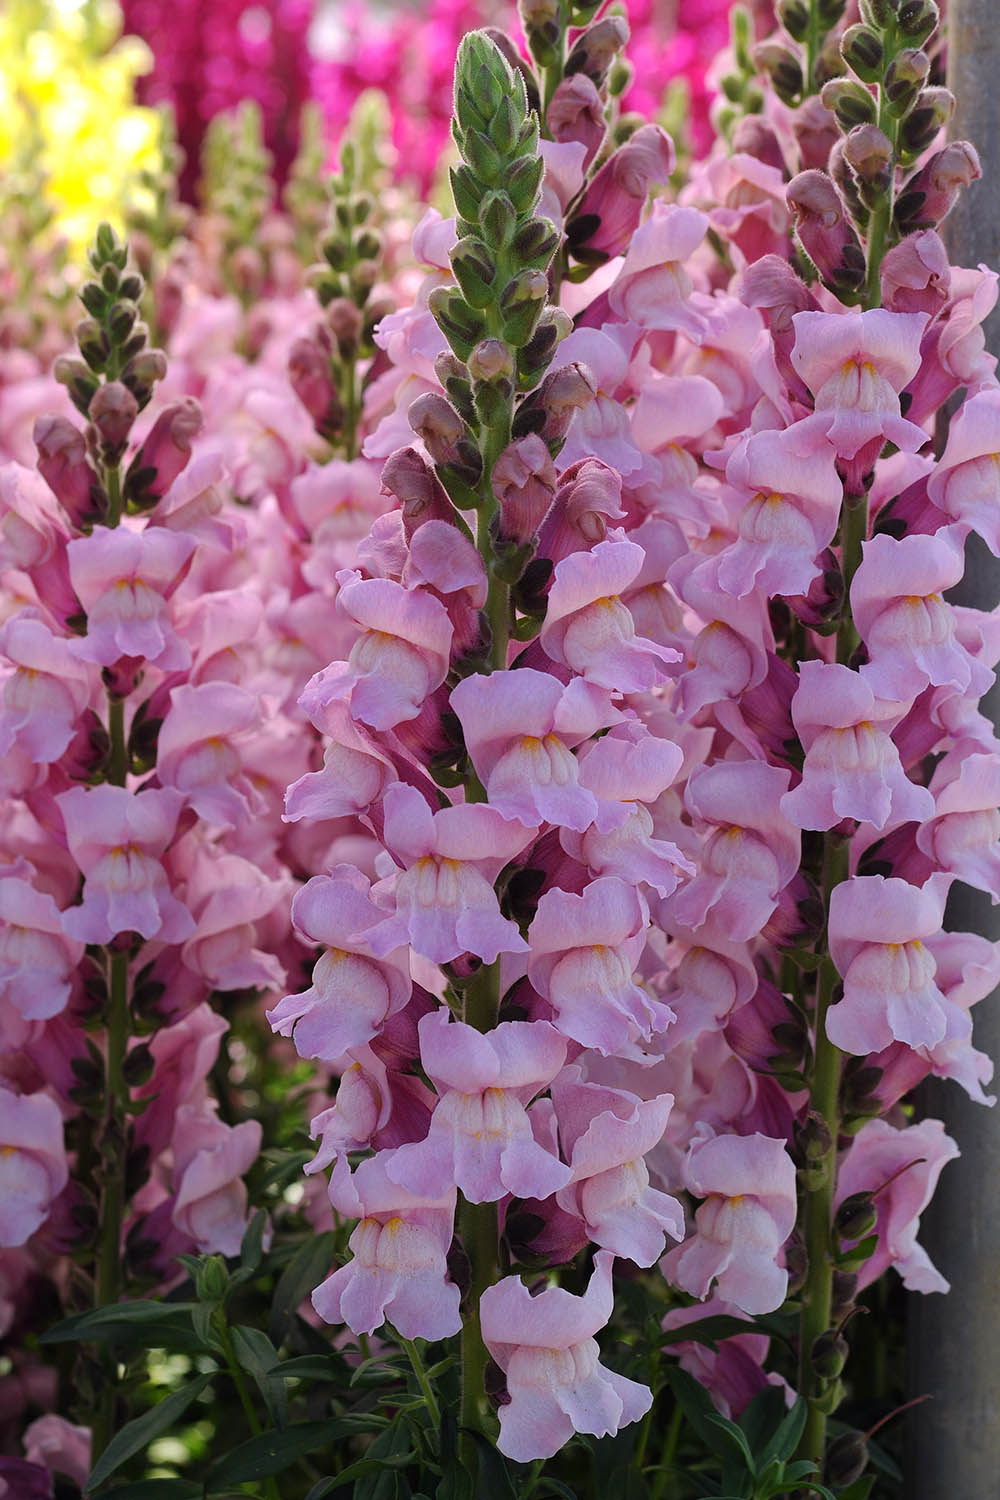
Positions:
{"x": 644, "y": 770}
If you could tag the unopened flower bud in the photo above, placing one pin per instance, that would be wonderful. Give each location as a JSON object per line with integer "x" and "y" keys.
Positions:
{"x": 576, "y": 113}
{"x": 814, "y": 1138}
{"x": 783, "y": 68}
{"x": 862, "y": 50}
{"x": 212, "y": 1280}
{"x": 542, "y": 24}
{"x": 475, "y": 271}
{"x": 612, "y": 206}
{"x": 344, "y": 320}
{"x": 80, "y": 382}
{"x": 918, "y": 20}
{"x": 856, "y": 1217}
{"x": 167, "y": 449}
{"x": 524, "y": 483}
{"x": 595, "y": 51}
{"x": 869, "y": 151}
{"x": 793, "y": 15}
{"x": 828, "y": 1354}
{"x": 93, "y": 343}
{"x": 549, "y": 410}
{"x": 851, "y": 102}
{"x": 142, "y": 372}
{"x": 846, "y": 1458}
{"x": 62, "y": 463}
{"x": 310, "y": 378}
{"x": 845, "y": 1291}
{"x": 931, "y": 194}
{"x": 491, "y": 361}
{"x": 408, "y": 477}
{"x": 905, "y": 77}
{"x": 516, "y": 63}
{"x": 113, "y": 412}
{"x": 438, "y": 425}
{"x": 878, "y": 13}
{"x": 827, "y": 236}
{"x": 521, "y": 303}
{"x": 931, "y": 113}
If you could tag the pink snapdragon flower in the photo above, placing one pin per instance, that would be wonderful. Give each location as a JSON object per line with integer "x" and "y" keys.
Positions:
{"x": 228, "y": 896}
{"x": 900, "y": 1168}
{"x": 962, "y": 832}
{"x": 852, "y": 767}
{"x": 399, "y": 1271}
{"x": 445, "y": 903}
{"x": 748, "y": 1187}
{"x": 352, "y": 993}
{"x": 520, "y": 731}
{"x": 59, "y": 1445}
{"x": 606, "y": 1133}
{"x": 627, "y": 769}
{"x": 480, "y": 1138}
{"x": 210, "y": 1159}
{"x": 751, "y": 852}
{"x": 37, "y": 960}
{"x": 617, "y": 192}
{"x": 197, "y": 751}
{"x": 733, "y": 1372}
{"x": 401, "y": 655}
{"x": 33, "y": 1167}
{"x": 123, "y": 579}
{"x": 546, "y": 1347}
{"x": 589, "y": 629}
{"x": 356, "y": 771}
{"x": 876, "y": 932}
{"x": 653, "y": 288}
{"x": 116, "y": 839}
{"x": 46, "y": 694}
{"x": 791, "y": 517}
{"x": 584, "y": 951}
{"x": 856, "y": 364}
{"x": 897, "y": 597}
{"x": 965, "y": 483}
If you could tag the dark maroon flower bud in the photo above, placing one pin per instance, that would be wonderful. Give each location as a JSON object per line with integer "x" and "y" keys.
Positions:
{"x": 932, "y": 193}
{"x": 167, "y": 449}
{"x": 524, "y": 482}
{"x": 576, "y": 113}
{"x": 311, "y": 380}
{"x": 113, "y": 412}
{"x": 826, "y": 234}
{"x": 408, "y": 477}
{"x": 63, "y": 464}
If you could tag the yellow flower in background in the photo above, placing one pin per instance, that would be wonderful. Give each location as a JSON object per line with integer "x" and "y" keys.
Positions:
{"x": 69, "y": 126}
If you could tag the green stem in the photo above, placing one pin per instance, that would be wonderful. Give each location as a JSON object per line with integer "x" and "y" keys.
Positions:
{"x": 881, "y": 219}
{"x": 117, "y": 768}
{"x": 233, "y": 1365}
{"x": 108, "y": 1282}
{"x": 427, "y": 1390}
{"x": 113, "y": 485}
{"x": 666, "y": 1463}
{"x": 853, "y": 531}
{"x": 477, "y": 1224}
{"x": 817, "y": 1294}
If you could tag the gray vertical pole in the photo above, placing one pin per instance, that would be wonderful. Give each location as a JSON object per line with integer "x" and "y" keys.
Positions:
{"x": 954, "y": 1341}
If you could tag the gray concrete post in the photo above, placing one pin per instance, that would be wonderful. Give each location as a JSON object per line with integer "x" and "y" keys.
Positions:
{"x": 954, "y": 1341}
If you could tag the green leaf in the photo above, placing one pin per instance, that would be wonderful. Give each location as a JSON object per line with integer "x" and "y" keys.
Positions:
{"x": 456, "y": 1484}
{"x": 135, "y": 1435}
{"x": 256, "y": 1353}
{"x": 786, "y": 1439}
{"x": 309, "y": 1367}
{"x": 761, "y": 1419}
{"x": 736, "y": 1440}
{"x": 101, "y": 1323}
{"x": 252, "y": 1245}
{"x": 156, "y": 1489}
{"x": 694, "y": 1401}
{"x": 272, "y": 1452}
{"x": 357, "y": 1471}
{"x": 304, "y": 1272}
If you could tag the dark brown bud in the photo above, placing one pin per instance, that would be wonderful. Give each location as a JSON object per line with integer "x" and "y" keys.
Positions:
{"x": 113, "y": 412}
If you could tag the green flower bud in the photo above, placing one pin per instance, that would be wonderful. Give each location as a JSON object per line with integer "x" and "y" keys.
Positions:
{"x": 212, "y": 1280}
{"x": 931, "y": 112}
{"x": 828, "y": 1354}
{"x": 783, "y": 68}
{"x": 856, "y": 1217}
{"x": 475, "y": 271}
{"x": 491, "y": 361}
{"x": 793, "y": 15}
{"x": 850, "y": 102}
{"x": 595, "y": 51}
{"x": 846, "y": 1458}
{"x": 863, "y": 52}
{"x": 79, "y": 381}
{"x": 905, "y": 76}
{"x": 918, "y": 20}
{"x": 93, "y": 343}
{"x": 521, "y": 303}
